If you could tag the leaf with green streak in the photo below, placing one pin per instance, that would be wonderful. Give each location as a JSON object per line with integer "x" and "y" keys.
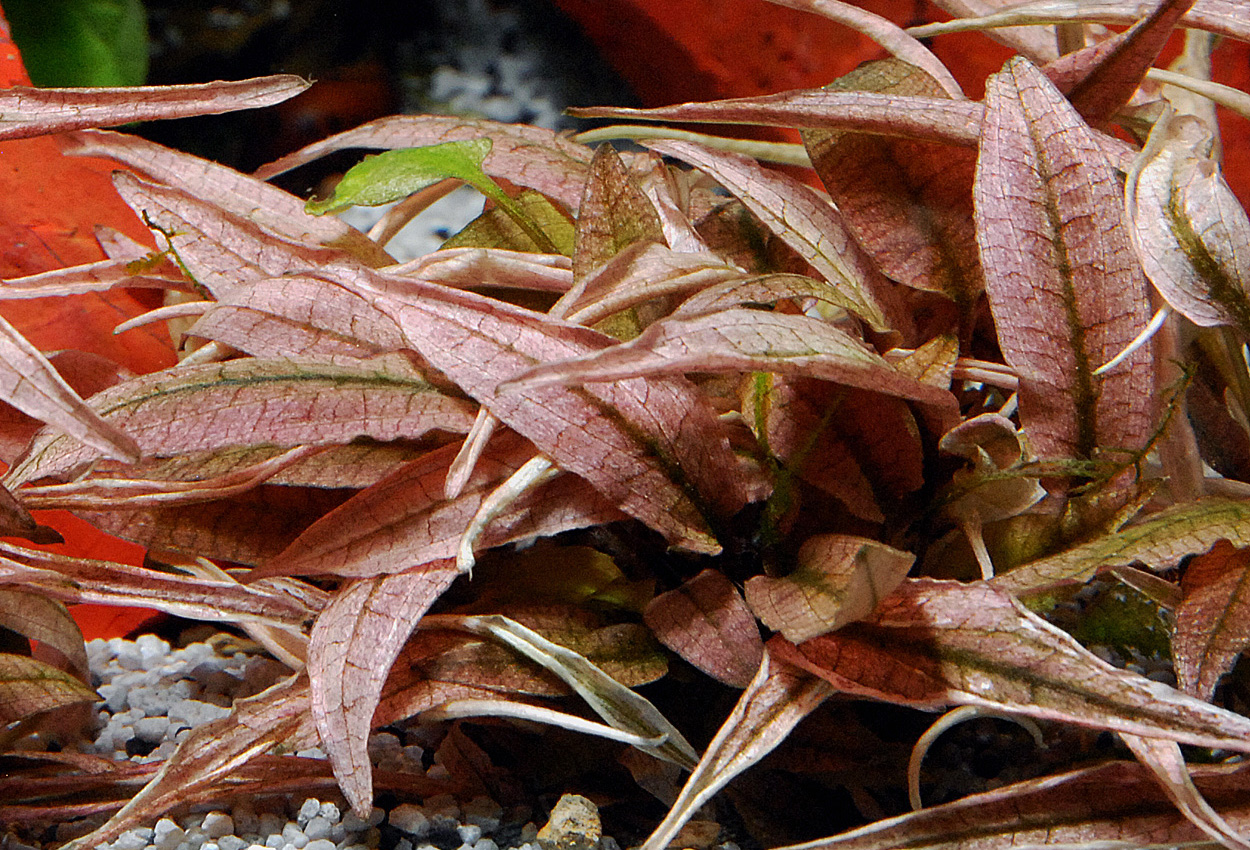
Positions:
{"x": 935, "y": 644}
{"x": 1159, "y": 542}
{"x": 1064, "y": 286}
{"x": 1191, "y": 232}
{"x": 494, "y": 228}
{"x": 28, "y": 687}
{"x": 81, "y": 42}
{"x": 255, "y": 401}
{"x": 393, "y": 175}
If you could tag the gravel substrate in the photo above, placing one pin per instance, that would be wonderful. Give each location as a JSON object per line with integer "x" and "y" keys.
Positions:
{"x": 153, "y": 695}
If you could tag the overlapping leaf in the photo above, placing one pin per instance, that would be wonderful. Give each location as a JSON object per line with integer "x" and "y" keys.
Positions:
{"x": 28, "y": 686}
{"x": 651, "y": 445}
{"x": 1211, "y": 622}
{"x": 934, "y": 644}
{"x": 706, "y": 622}
{"x": 281, "y": 401}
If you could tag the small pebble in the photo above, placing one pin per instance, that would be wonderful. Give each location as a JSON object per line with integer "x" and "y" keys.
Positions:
{"x": 217, "y": 824}
{"x": 320, "y": 844}
{"x": 316, "y": 828}
{"x": 410, "y": 818}
{"x": 308, "y": 811}
{"x": 231, "y": 842}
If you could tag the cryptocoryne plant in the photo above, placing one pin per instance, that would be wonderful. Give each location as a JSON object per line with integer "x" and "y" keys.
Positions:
{"x": 845, "y": 432}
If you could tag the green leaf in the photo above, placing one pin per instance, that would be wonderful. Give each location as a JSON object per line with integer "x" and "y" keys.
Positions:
{"x": 392, "y": 175}
{"x": 81, "y": 42}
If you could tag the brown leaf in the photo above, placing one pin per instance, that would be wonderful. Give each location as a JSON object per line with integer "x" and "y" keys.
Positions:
{"x": 808, "y": 224}
{"x": 1109, "y": 805}
{"x": 354, "y": 643}
{"x": 706, "y": 622}
{"x": 34, "y": 112}
{"x": 909, "y": 203}
{"x": 527, "y": 156}
{"x": 839, "y": 579}
{"x": 405, "y": 520}
{"x": 92, "y": 277}
{"x": 1164, "y": 759}
{"x": 1159, "y": 541}
{"x": 1065, "y": 289}
{"x": 44, "y": 620}
{"x": 934, "y": 644}
{"x": 1211, "y": 623}
{"x": 29, "y": 687}
{"x": 777, "y": 698}
{"x": 614, "y": 214}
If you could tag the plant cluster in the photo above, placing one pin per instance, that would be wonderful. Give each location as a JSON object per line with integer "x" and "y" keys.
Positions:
{"x": 892, "y": 403}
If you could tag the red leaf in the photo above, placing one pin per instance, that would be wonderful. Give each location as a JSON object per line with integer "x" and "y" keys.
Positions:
{"x": 1212, "y": 627}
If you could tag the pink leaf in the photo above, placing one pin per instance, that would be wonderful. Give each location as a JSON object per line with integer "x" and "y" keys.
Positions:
{"x": 36, "y": 112}
{"x": 405, "y": 520}
{"x": 808, "y": 224}
{"x": 272, "y": 208}
{"x": 1064, "y": 286}
{"x": 354, "y": 643}
{"x": 653, "y": 446}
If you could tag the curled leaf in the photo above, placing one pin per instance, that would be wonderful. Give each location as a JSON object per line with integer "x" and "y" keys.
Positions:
{"x": 839, "y": 579}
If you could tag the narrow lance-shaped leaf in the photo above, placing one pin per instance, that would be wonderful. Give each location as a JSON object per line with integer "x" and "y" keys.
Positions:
{"x": 1065, "y": 289}
{"x": 527, "y": 156}
{"x": 807, "y": 223}
{"x": 839, "y": 579}
{"x": 1165, "y": 760}
{"x": 936, "y": 119}
{"x": 706, "y": 622}
{"x": 934, "y": 644}
{"x": 405, "y": 519}
{"x": 1192, "y": 234}
{"x": 1160, "y": 542}
{"x": 1112, "y": 805}
{"x": 1212, "y": 622}
{"x": 354, "y": 643}
{"x": 274, "y": 718}
{"x": 251, "y": 401}
{"x": 34, "y": 112}
{"x": 777, "y": 698}
{"x": 616, "y": 704}
{"x": 741, "y": 340}
{"x": 241, "y": 194}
